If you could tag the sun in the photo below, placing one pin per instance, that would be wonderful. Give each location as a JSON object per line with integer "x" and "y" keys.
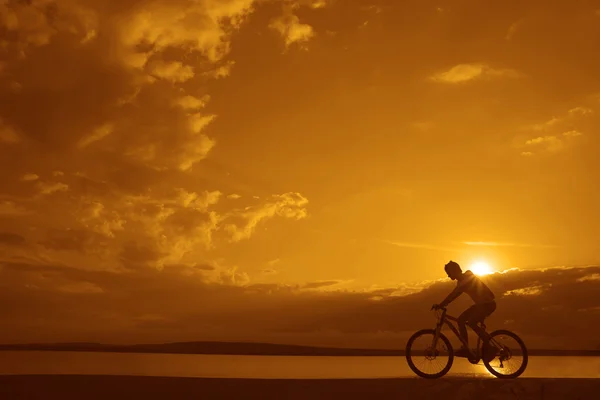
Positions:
{"x": 481, "y": 268}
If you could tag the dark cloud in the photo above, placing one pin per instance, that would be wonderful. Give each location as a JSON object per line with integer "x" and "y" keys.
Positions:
{"x": 78, "y": 240}
{"x": 11, "y": 239}
{"x": 320, "y": 284}
{"x": 107, "y": 109}
{"x": 183, "y": 301}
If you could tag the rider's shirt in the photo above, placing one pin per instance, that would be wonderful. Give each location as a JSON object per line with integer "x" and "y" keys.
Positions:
{"x": 470, "y": 284}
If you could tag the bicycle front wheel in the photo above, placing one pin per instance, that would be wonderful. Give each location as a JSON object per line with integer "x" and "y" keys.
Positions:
{"x": 509, "y": 358}
{"x": 426, "y": 361}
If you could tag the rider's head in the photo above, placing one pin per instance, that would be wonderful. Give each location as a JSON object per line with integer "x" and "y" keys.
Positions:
{"x": 453, "y": 270}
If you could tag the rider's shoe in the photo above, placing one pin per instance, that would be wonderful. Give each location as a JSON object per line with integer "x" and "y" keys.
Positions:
{"x": 489, "y": 352}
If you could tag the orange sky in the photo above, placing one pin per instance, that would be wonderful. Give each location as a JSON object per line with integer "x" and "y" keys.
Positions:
{"x": 218, "y": 154}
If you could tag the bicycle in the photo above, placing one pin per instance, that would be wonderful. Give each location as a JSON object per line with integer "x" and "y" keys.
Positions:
{"x": 488, "y": 348}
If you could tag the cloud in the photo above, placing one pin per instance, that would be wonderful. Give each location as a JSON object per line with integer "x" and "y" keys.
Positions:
{"x": 11, "y": 239}
{"x": 109, "y": 217}
{"x": 192, "y": 103}
{"x": 590, "y": 277}
{"x": 173, "y": 71}
{"x": 467, "y": 72}
{"x": 30, "y": 177}
{"x": 580, "y": 111}
{"x": 269, "y": 271}
{"x": 200, "y": 26}
{"x": 572, "y": 133}
{"x": 426, "y": 246}
{"x": 288, "y": 205}
{"x": 115, "y": 175}
{"x": 30, "y": 20}
{"x": 81, "y": 288}
{"x": 503, "y": 244}
{"x": 321, "y": 284}
{"x": 570, "y": 117}
{"x": 320, "y": 3}
{"x": 9, "y": 208}
{"x": 7, "y": 133}
{"x": 553, "y": 144}
{"x": 455, "y": 249}
{"x": 78, "y": 240}
{"x": 546, "y": 125}
{"x": 537, "y": 304}
{"x": 288, "y": 25}
{"x": 560, "y": 132}
{"x": 274, "y": 262}
{"x": 96, "y": 135}
{"x": 526, "y": 291}
{"x": 104, "y": 61}
{"x": 513, "y": 29}
{"x": 46, "y": 188}
{"x": 126, "y": 54}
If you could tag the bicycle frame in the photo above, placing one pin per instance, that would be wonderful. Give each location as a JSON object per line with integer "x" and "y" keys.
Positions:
{"x": 482, "y": 335}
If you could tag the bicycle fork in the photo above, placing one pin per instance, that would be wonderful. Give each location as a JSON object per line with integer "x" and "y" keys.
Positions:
{"x": 436, "y": 336}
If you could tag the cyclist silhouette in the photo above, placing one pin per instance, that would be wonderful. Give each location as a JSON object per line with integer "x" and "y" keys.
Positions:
{"x": 482, "y": 296}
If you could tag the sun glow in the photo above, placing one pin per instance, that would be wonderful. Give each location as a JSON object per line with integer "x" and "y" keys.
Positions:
{"x": 481, "y": 268}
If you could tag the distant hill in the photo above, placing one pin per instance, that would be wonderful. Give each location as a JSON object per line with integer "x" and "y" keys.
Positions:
{"x": 230, "y": 348}
{"x": 241, "y": 348}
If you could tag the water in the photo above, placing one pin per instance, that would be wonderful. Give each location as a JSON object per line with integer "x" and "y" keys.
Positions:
{"x": 266, "y": 367}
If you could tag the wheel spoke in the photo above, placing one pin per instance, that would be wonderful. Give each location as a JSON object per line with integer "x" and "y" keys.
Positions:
{"x": 510, "y": 356}
{"x": 425, "y": 360}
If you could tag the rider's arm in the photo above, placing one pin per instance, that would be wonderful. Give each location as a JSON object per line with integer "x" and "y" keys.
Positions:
{"x": 452, "y": 296}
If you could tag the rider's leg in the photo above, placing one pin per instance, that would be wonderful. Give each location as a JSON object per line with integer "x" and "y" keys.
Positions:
{"x": 478, "y": 314}
{"x": 482, "y": 311}
{"x": 463, "y": 319}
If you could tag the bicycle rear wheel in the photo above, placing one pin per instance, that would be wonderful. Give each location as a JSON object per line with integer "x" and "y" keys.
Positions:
{"x": 420, "y": 359}
{"x": 508, "y": 361}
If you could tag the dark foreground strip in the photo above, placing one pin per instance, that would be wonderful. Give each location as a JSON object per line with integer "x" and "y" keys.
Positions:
{"x": 92, "y": 387}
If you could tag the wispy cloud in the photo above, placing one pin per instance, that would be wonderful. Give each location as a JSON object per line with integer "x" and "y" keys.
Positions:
{"x": 543, "y": 126}
{"x": 555, "y": 122}
{"x": 9, "y": 208}
{"x": 467, "y": 72}
{"x": 513, "y": 29}
{"x": 591, "y": 277}
{"x": 552, "y": 143}
{"x": 527, "y": 291}
{"x": 556, "y": 133}
{"x": 426, "y": 246}
{"x": 456, "y": 247}
{"x": 323, "y": 284}
{"x": 580, "y": 111}
{"x": 504, "y": 244}
{"x": 30, "y": 177}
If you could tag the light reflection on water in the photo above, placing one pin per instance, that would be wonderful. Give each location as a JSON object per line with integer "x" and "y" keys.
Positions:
{"x": 273, "y": 367}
